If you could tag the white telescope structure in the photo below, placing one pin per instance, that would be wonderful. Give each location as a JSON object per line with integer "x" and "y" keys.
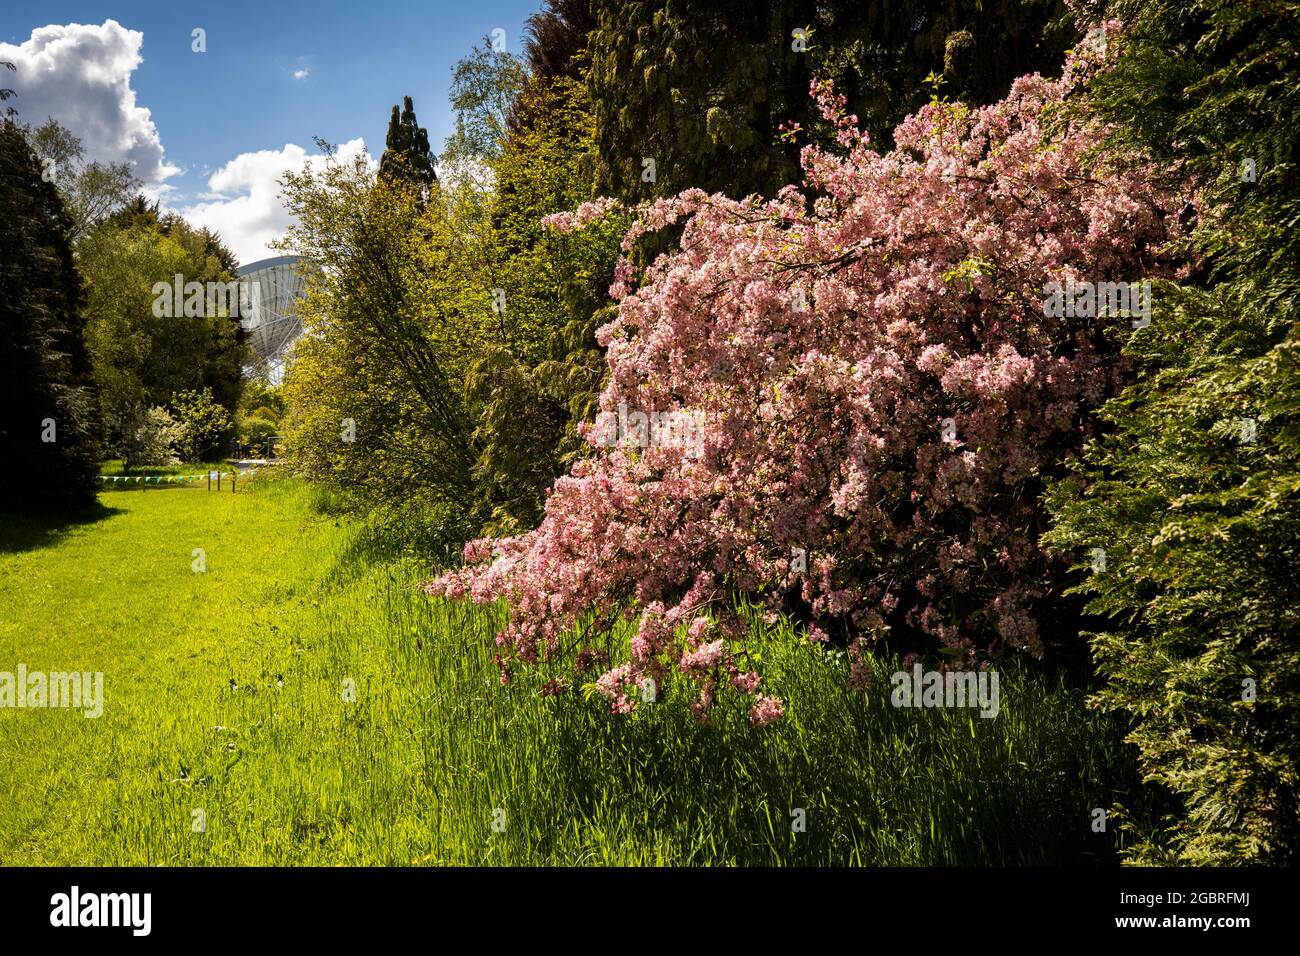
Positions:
{"x": 269, "y": 313}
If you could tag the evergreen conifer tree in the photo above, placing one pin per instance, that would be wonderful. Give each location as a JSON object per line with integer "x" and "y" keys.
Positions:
{"x": 47, "y": 446}
{"x": 407, "y": 156}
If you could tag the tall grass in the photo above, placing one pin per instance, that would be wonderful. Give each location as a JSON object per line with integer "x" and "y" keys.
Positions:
{"x": 231, "y": 692}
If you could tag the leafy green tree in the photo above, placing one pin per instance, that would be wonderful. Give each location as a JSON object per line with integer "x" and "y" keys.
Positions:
{"x": 484, "y": 86}
{"x": 530, "y": 387}
{"x": 92, "y": 191}
{"x": 6, "y": 93}
{"x": 1193, "y": 499}
{"x": 374, "y": 388}
{"x": 218, "y": 345}
{"x": 262, "y": 399}
{"x": 701, "y": 89}
{"x": 47, "y": 408}
{"x": 1191, "y": 513}
{"x": 120, "y": 269}
{"x": 257, "y": 433}
{"x": 202, "y": 425}
{"x": 142, "y": 355}
{"x": 533, "y": 386}
{"x": 451, "y": 344}
{"x": 137, "y": 210}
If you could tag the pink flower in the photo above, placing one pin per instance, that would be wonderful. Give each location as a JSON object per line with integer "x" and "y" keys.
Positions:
{"x": 823, "y": 337}
{"x": 704, "y": 659}
{"x": 766, "y": 710}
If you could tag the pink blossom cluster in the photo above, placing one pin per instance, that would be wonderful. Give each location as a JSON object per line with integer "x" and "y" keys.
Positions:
{"x": 584, "y": 215}
{"x": 880, "y": 388}
{"x": 766, "y": 710}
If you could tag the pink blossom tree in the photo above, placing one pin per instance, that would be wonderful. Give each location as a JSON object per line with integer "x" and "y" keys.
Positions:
{"x": 878, "y": 391}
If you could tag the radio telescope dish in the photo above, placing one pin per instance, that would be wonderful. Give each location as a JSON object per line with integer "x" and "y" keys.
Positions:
{"x": 269, "y": 312}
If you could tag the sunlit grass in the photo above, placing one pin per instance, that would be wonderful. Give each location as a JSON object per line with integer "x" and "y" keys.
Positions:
{"x": 227, "y": 692}
{"x": 116, "y": 466}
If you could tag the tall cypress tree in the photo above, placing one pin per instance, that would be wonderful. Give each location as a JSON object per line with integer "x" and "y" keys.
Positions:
{"x": 407, "y": 157}
{"x": 47, "y": 425}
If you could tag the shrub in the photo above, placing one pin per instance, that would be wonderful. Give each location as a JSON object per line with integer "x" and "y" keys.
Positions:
{"x": 256, "y": 434}
{"x": 202, "y": 425}
{"x": 878, "y": 393}
{"x": 150, "y": 442}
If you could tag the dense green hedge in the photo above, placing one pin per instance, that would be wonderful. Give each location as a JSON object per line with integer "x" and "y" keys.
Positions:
{"x": 1194, "y": 497}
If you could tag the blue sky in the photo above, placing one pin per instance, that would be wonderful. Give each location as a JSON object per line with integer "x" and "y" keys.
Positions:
{"x": 275, "y": 74}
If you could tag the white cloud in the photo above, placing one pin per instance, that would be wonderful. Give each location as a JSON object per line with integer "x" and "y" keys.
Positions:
{"x": 81, "y": 75}
{"x": 243, "y": 202}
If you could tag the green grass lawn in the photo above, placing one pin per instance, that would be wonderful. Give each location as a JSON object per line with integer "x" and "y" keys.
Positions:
{"x": 115, "y": 466}
{"x": 226, "y": 692}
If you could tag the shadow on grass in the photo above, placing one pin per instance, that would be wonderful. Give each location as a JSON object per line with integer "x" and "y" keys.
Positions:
{"x": 875, "y": 787}
{"x": 425, "y": 539}
{"x": 29, "y": 531}
{"x": 843, "y": 779}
